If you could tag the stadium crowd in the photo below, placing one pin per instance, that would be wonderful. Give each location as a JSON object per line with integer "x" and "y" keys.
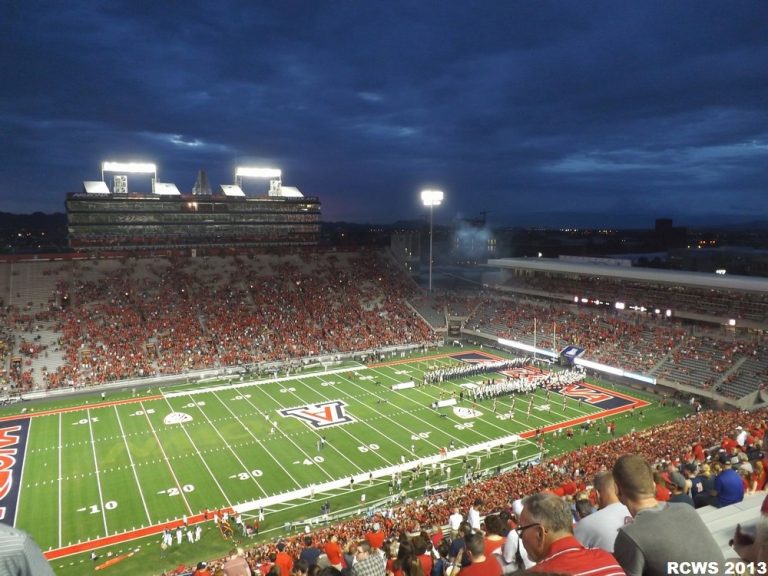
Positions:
{"x": 432, "y": 529}
{"x": 641, "y": 343}
{"x": 181, "y": 313}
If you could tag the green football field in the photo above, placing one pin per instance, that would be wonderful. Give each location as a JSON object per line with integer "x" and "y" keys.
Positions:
{"x": 101, "y": 475}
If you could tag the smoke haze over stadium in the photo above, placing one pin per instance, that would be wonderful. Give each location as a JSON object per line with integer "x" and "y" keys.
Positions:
{"x": 554, "y": 113}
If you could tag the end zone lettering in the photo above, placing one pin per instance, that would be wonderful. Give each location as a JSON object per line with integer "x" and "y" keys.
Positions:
{"x": 13, "y": 443}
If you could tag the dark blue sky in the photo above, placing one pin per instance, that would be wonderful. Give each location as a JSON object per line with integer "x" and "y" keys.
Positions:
{"x": 567, "y": 113}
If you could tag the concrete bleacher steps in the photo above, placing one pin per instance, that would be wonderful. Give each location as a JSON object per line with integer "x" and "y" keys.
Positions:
{"x": 722, "y": 521}
{"x": 54, "y": 359}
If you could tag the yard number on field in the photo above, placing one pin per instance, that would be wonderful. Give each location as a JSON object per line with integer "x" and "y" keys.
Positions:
{"x": 175, "y": 491}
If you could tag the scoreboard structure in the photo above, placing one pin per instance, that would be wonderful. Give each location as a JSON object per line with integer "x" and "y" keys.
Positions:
{"x": 117, "y": 218}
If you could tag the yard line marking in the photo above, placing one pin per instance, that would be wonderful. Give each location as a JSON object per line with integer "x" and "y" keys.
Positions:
{"x": 202, "y": 459}
{"x": 491, "y": 422}
{"x": 259, "y": 442}
{"x": 229, "y": 446}
{"x": 61, "y": 528}
{"x": 230, "y": 386}
{"x": 287, "y": 437}
{"x": 130, "y": 459}
{"x": 165, "y": 457}
{"x": 98, "y": 476}
{"x": 410, "y": 414}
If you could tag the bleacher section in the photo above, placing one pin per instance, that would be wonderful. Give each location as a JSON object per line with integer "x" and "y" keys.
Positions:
{"x": 190, "y": 313}
{"x": 703, "y": 358}
{"x": 184, "y": 313}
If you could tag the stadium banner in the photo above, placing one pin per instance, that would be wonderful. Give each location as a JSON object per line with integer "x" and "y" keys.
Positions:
{"x": 13, "y": 446}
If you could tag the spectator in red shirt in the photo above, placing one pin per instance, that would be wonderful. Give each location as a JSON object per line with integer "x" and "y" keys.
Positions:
{"x": 375, "y": 537}
{"x": 333, "y": 551}
{"x": 481, "y": 565}
{"x": 546, "y": 529}
{"x": 283, "y": 560}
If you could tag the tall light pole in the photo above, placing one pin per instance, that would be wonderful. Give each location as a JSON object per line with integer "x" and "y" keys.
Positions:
{"x": 431, "y": 198}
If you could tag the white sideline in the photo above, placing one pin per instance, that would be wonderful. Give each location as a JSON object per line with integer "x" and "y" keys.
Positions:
{"x": 380, "y": 473}
{"x": 257, "y": 382}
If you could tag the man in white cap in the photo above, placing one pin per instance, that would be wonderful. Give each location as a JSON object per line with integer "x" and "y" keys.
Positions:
{"x": 375, "y": 537}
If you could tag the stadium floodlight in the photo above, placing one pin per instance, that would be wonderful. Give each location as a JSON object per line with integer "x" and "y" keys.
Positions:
{"x": 252, "y": 172}
{"x": 165, "y": 188}
{"x": 231, "y": 190}
{"x": 129, "y": 167}
{"x": 95, "y": 187}
{"x": 123, "y": 168}
{"x": 431, "y": 198}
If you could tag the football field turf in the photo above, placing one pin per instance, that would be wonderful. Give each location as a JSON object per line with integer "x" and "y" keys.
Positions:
{"x": 121, "y": 468}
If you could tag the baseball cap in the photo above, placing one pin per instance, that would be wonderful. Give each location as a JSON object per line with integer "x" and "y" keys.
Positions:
{"x": 202, "y": 565}
{"x": 676, "y": 479}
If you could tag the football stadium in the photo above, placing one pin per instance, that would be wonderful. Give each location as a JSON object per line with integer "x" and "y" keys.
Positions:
{"x": 177, "y": 402}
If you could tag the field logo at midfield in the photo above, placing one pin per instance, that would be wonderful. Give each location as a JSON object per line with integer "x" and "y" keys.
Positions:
{"x": 177, "y": 418}
{"x": 321, "y": 415}
{"x": 13, "y": 443}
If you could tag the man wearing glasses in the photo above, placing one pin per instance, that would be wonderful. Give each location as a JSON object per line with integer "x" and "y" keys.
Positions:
{"x": 546, "y": 530}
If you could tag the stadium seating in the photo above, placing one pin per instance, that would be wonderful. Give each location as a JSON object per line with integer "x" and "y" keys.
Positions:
{"x": 566, "y": 475}
{"x": 188, "y": 313}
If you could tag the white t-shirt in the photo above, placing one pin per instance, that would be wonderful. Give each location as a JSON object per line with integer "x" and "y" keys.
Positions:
{"x": 454, "y": 520}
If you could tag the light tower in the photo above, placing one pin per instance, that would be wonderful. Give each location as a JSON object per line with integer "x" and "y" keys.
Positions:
{"x": 431, "y": 198}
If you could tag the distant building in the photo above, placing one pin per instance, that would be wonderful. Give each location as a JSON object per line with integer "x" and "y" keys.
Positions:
{"x": 669, "y": 236}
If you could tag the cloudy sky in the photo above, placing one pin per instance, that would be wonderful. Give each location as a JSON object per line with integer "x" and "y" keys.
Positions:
{"x": 536, "y": 112}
